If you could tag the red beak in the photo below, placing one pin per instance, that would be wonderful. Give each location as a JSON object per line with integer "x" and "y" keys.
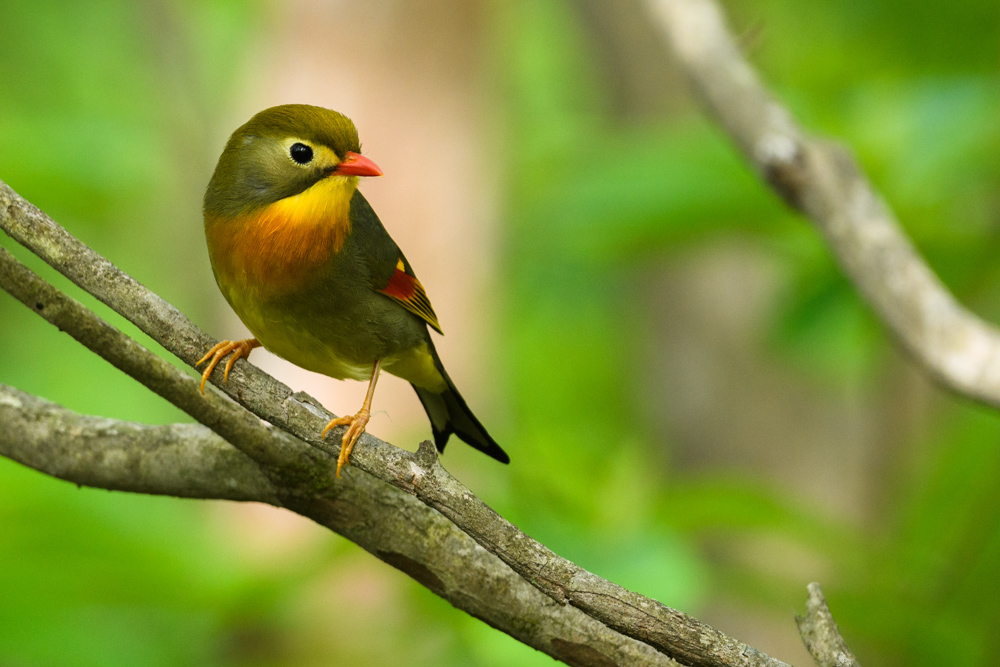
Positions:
{"x": 355, "y": 164}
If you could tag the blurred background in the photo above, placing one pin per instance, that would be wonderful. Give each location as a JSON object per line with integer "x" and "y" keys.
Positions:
{"x": 697, "y": 404}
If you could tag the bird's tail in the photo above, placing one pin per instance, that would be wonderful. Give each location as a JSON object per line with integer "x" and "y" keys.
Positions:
{"x": 449, "y": 414}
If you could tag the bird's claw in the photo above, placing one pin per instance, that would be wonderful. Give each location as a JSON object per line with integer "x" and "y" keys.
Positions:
{"x": 355, "y": 427}
{"x": 238, "y": 348}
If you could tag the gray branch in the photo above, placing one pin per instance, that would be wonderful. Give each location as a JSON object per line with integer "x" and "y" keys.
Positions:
{"x": 820, "y": 634}
{"x": 183, "y": 460}
{"x": 673, "y": 633}
{"x": 191, "y": 461}
{"x": 306, "y": 470}
{"x": 821, "y": 179}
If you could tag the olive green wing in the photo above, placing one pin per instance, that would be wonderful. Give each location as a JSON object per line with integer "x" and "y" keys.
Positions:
{"x": 391, "y": 274}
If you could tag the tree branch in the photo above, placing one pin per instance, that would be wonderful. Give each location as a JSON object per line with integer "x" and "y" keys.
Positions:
{"x": 305, "y": 483}
{"x": 820, "y": 634}
{"x": 190, "y": 461}
{"x": 820, "y": 179}
{"x": 183, "y": 460}
{"x": 221, "y": 415}
{"x": 673, "y": 633}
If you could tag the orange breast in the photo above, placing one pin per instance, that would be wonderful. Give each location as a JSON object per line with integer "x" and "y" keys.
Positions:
{"x": 275, "y": 250}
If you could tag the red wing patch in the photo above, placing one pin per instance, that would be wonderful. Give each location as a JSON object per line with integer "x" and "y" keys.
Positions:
{"x": 408, "y": 291}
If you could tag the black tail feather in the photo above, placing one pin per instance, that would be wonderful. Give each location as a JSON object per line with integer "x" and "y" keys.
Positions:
{"x": 449, "y": 414}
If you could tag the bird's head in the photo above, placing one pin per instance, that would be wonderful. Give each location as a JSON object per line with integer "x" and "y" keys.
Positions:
{"x": 281, "y": 152}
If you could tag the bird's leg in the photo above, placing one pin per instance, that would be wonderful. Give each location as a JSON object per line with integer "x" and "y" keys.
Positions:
{"x": 238, "y": 348}
{"x": 356, "y": 423}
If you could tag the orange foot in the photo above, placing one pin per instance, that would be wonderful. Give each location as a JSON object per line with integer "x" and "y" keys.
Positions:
{"x": 355, "y": 427}
{"x": 356, "y": 424}
{"x": 238, "y": 348}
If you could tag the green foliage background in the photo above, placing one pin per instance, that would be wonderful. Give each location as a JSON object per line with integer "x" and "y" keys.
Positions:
{"x": 106, "y": 127}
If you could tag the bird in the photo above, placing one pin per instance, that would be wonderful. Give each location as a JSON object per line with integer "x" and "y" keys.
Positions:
{"x": 306, "y": 264}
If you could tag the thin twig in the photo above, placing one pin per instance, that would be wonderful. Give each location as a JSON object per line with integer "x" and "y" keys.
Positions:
{"x": 820, "y": 634}
{"x": 820, "y": 179}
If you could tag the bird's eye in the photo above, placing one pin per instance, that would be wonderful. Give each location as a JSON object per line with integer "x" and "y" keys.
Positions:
{"x": 301, "y": 153}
